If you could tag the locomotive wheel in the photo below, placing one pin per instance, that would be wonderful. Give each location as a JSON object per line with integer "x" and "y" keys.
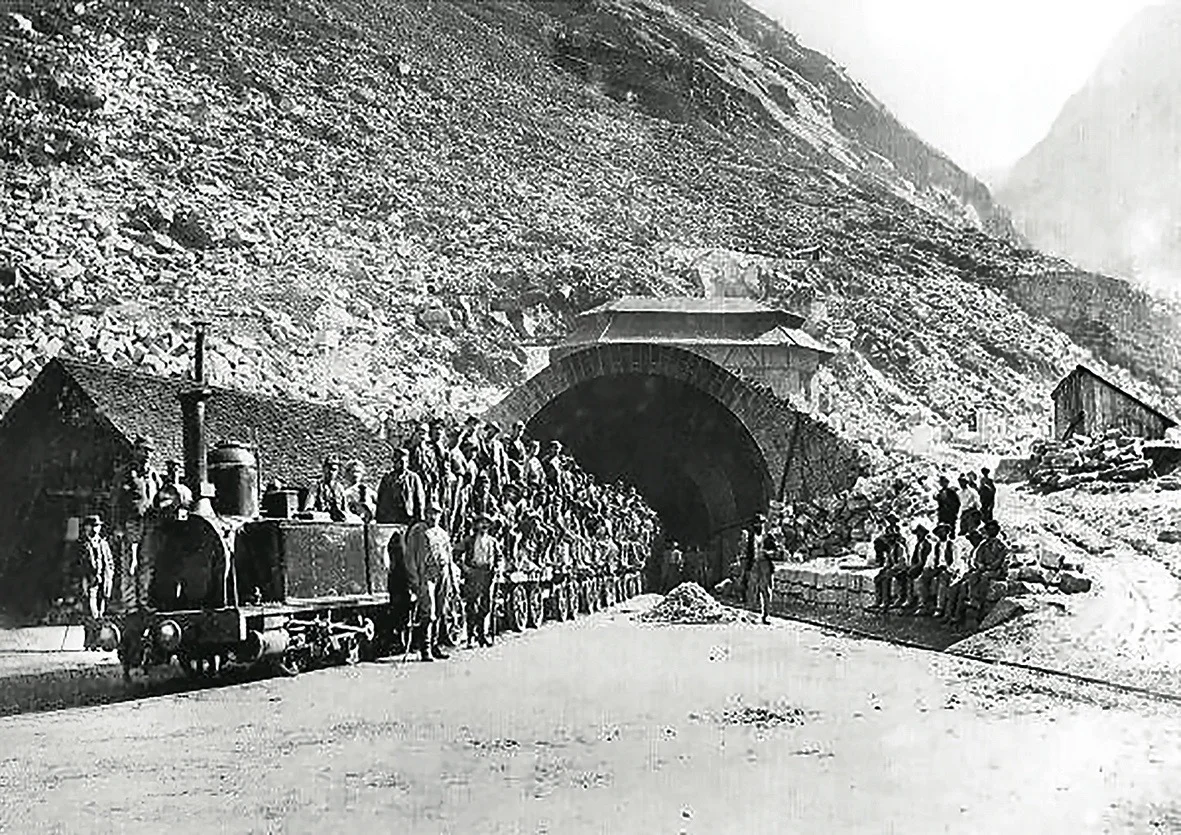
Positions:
{"x": 536, "y": 606}
{"x": 518, "y": 608}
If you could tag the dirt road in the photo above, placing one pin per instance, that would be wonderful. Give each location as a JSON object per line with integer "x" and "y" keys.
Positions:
{"x": 607, "y": 725}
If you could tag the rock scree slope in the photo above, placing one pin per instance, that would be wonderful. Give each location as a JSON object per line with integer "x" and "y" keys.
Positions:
{"x": 382, "y": 204}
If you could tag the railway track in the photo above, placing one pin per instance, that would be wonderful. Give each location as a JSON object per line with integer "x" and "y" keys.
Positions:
{"x": 1131, "y": 689}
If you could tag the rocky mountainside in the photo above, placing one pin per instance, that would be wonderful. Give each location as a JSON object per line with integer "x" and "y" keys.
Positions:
{"x": 1103, "y": 188}
{"x": 381, "y": 203}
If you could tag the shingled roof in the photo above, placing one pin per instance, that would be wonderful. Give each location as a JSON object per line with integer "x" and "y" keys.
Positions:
{"x": 291, "y": 436}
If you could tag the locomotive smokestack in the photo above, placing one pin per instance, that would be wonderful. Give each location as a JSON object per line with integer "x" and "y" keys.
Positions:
{"x": 199, "y": 354}
{"x": 196, "y": 445}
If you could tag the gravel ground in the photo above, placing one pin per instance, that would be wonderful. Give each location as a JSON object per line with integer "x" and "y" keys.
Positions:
{"x": 610, "y": 725}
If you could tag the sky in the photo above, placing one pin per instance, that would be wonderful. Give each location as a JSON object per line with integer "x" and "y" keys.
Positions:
{"x": 982, "y": 80}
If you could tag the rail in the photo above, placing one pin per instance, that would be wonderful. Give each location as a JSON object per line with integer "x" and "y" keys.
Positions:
{"x": 1078, "y": 678}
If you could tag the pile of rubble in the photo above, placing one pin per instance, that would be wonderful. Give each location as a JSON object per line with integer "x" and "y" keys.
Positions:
{"x": 831, "y": 527}
{"x": 1080, "y": 459}
{"x": 689, "y": 603}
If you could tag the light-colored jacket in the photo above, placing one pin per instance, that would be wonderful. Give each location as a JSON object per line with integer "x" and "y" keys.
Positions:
{"x": 428, "y": 554}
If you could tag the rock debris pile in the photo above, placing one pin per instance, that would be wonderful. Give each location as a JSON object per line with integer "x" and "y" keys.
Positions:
{"x": 1114, "y": 458}
{"x": 689, "y": 603}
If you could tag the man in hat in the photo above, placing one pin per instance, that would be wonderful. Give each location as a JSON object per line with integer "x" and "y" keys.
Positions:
{"x": 401, "y": 497}
{"x": 422, "y": 458}
{"x": 481, "y": 561}
{"x": 987, "y": 491}
{"x": 916, "y": 578}
{"x": 327, "y": 496}
{"x": 428, "y": 564}
{"x": 95, "y": 565}
{"x": 947, "y": 569}
{"x": 890, "y": 554}
{"x": 135, "y": 499}
{"x": 969, "y": 506}
{"x": 990, "y": 562}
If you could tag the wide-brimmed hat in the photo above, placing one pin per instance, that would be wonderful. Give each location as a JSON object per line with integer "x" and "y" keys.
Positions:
{"x": 992, "y": 525}
{"x": 921, "y": 528}
{"x": 942, "y": 527}
{"x": 92, "y": 519}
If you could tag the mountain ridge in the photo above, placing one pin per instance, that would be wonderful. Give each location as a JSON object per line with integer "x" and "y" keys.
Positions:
{"x": 383, "y": 204}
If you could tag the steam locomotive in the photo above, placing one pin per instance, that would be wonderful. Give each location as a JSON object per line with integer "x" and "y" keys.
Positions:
{"x": 233, "y": 582}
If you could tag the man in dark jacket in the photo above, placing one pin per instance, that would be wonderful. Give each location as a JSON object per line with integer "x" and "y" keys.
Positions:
{"x": 947, "y": 504}
{"x": 987, "y": 490}
{"x": 401, "y": 496}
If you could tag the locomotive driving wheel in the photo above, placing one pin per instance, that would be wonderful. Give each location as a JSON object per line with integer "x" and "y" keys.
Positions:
{"x": 536, "y": 605}
{"x": 518, "y": 608}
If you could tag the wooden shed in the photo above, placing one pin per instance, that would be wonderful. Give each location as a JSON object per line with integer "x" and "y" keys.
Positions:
{"x": 1087, "y": 403}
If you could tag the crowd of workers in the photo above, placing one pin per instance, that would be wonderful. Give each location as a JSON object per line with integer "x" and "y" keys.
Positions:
{"x": 946, "y": 571}
{"x": 475, "y": 504}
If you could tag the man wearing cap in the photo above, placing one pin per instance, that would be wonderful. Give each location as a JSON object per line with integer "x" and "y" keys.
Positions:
{"x": 401, "y": 497}
{"x": 428, "y": 563}
{"x": 135, "y": 499}
{"x": 890, "y": 554}
{"x": 95, "y": 565}
{"x": 917, "y": 578}
{"x": 481, "y": 560}
{"x": 990, "y": 562}
{"x": 327, "y": 496}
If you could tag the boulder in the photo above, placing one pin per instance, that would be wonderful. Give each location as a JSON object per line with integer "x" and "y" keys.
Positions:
{"x": 1004, "y": 611}
{"x": 1069, "y": 583}
{"x": 1032, "y": 574}
{"x": 1171, "y": 535}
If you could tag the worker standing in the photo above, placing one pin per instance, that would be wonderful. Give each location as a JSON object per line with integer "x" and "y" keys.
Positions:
{"x": 96, "y": 569}
{"x": 428, "y": 564}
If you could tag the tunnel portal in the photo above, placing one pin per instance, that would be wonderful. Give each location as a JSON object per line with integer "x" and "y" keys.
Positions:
{"x": 690, "y": 456}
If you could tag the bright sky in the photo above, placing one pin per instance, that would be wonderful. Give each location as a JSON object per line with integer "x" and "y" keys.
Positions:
{"x": 982, "y": 80}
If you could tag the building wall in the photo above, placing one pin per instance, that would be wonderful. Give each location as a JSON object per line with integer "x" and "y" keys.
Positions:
{"x": 1106, "y": 407}
{"x": 60, "y": 460}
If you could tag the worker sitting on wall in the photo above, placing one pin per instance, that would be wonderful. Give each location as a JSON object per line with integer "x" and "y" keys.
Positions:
{"x": 890, "y": 555}
{"x": 915, "y": 579}
{"x": 990, "y": 563}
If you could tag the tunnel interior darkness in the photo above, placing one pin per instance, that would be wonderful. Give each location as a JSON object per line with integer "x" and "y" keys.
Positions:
{"x": 691, "y": 458}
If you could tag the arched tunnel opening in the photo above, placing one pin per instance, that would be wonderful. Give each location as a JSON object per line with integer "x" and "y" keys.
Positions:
{"x": 690, "y": 457}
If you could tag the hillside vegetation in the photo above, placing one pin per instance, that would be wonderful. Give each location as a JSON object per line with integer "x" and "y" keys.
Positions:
{"x": 379, "y": 203}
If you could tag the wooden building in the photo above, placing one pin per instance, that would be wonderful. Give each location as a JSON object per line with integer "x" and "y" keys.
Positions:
{"x": 751, "y": 339}
{"x": 1086, "y": 403}
{"x": 64, "y": 441}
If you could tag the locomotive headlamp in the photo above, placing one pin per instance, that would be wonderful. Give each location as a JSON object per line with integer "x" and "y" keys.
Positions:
{"x": 168, "y": 635}
{"x": 108, "y": 637}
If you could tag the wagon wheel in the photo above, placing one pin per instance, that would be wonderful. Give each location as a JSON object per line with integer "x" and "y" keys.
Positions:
{"x": 518, "y": 608}
{"x": 350, "y": 650}
{"x": 291, "y": 663}
{"x": 562, "y": 595}
{"x": 536, "y": 606}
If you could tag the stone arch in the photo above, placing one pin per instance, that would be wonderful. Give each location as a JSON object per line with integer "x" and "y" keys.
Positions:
{"x": 708, "y": 447}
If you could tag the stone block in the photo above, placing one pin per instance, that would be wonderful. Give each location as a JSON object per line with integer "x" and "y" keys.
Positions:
{"x": 1005, "y": 610}
{"x": 1069, "y": 583}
